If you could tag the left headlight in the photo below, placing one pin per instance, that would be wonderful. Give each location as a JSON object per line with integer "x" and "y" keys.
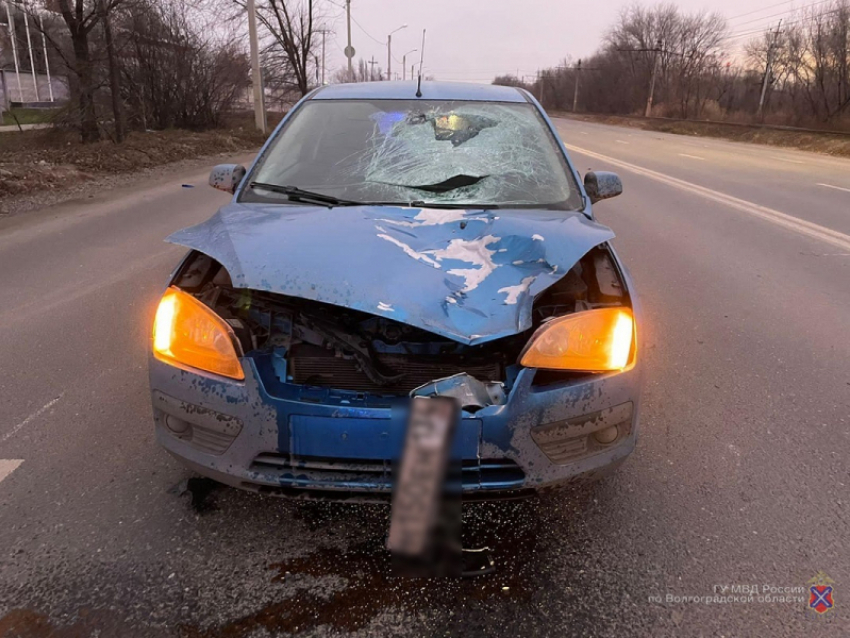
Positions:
{"x": 590, "y": 341}
{"x": 186, "y": 332}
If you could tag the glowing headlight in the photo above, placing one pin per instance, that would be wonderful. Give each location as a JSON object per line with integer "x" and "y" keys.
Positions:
{"x": 591, "y": 341}
{"x": 188, "y": 333}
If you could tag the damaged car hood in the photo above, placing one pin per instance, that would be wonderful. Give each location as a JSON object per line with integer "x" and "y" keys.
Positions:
{"x": 469, "y": 275}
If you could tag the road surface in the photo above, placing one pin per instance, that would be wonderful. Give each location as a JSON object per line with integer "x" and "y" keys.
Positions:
{"x": 740, "y": 478}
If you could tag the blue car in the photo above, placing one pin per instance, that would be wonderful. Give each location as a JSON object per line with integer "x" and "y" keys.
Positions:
{"x": 388, "y": 244}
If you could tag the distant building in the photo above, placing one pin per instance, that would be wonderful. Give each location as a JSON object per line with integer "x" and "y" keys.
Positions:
{"x": 18, "y": 84}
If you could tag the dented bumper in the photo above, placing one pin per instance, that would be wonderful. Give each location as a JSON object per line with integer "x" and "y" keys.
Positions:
{"x": 302, "y": 441}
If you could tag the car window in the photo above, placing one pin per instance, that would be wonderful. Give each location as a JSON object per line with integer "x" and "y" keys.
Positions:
{"x": 403, "y": 151}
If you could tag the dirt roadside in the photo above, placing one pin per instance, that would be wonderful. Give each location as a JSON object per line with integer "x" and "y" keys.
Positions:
{"x": 826, "y": 143}
{"x": 39, "y": 168}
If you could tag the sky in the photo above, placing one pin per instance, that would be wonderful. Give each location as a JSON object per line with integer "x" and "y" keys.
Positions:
{"x": 475, "y": 40}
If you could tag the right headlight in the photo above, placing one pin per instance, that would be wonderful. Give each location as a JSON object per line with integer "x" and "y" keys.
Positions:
{"x": 187, "y": 332}
{"x": 590, "y": 341}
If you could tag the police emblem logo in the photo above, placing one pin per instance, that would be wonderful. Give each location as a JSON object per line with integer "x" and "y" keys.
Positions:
{"x": 821, "y": 592}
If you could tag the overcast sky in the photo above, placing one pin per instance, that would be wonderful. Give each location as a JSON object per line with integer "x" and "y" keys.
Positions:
{"x": 474, "y": 40}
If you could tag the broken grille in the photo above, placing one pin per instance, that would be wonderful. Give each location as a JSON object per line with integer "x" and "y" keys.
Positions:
{"x": 346, "y": 374}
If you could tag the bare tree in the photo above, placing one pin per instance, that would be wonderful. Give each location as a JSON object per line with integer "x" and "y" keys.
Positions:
{"x": 808, "y": 73}
{"x": 292, "y": 45}
{"x": 177, "y": 70}
{"x": 80, "y": 18}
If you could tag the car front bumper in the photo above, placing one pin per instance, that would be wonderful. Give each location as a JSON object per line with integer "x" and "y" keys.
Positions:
{"x": 318, "y": 443}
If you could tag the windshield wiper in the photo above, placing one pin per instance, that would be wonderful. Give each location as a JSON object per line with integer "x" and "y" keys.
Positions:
{"x": 308, "y": 197}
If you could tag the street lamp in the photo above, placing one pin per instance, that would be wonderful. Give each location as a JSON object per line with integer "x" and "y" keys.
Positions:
{"x": 390, "y": 50}
{"x": 404, "y": 63}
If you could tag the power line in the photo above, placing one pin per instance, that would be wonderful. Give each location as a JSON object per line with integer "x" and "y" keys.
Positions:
{"x": 354, "y": 20}
{"x": 770, "y": 6}
{"x": 735, "y": 36}
{"x": 782, "y": 13}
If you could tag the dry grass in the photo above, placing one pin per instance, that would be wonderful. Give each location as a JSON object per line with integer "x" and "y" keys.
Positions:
{"x": 31, "y": 161}
{"x": 826, "y": 143}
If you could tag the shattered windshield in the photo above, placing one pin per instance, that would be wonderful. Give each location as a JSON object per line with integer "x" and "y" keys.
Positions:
{"x": 488, "y": 154}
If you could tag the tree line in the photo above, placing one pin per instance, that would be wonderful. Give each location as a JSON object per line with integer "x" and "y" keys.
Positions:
{"x": 796, "y": 73}
{"x": 139, "y": 64}
{"x": 156, "y": 64}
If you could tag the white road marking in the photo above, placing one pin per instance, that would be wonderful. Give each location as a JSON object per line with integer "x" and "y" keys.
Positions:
{"x": 30, "y": 418}
{"x": 584, "y": 132}
{"x": 790, "y": 222}
{"x": 7, "y": 466}
{"x": 696, "y": 157}
{"x": 785, "y": 159}
{"x": 838, "y": 188}
{"x": 621, "y": 142}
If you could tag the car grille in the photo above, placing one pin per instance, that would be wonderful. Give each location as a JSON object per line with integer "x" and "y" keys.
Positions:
{"x": 345, "y": 374}
{"x": 376, "y": 475}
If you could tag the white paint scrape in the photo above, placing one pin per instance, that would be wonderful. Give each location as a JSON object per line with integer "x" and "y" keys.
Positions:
{"x": 432, "y": 217}
{"x": 473, "y": 251}
{"x": 513, "y": 292}
{"x": 409, "y": 251}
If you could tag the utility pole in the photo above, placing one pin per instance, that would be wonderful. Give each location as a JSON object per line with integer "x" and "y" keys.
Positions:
{"x": 767, "y": 69}
{"x": 372, "y": 64}
{"x": 655, "y": 58}
{"x": 256, "y": 77}
{"x": 575, "y": 91}
{"x": 324, "y": 32}
{"x": 404, "y": 64}
{"x": 540, "y": 84}
{"x": 390, "y": 51}
{"x": 348, "y": 48}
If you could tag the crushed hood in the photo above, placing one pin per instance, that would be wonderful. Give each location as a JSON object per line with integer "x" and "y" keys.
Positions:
{"x": 468, "y": 275}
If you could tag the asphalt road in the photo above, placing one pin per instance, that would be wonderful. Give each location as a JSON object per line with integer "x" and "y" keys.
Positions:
{"x": 742, "y": 258}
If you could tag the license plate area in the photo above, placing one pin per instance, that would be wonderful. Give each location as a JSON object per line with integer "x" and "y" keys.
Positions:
{"x": 421, "y": 479}
{"x": 359, "y": 438}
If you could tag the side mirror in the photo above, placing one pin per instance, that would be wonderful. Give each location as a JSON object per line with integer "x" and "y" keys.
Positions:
{"x": 226, "y": 177}
{"x": 601, "y": 185}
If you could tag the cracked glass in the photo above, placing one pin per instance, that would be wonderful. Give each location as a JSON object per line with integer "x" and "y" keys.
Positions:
{"x": 420, "y": 152}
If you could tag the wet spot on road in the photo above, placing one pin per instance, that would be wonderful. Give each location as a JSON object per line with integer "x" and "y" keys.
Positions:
{"x": 511, "y": 530}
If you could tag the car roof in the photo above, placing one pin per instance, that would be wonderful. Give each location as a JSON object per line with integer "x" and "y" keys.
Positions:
{"x": 430, "y": 91}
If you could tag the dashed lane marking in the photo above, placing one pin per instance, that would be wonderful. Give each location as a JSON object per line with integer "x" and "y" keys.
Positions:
{"x": 801, "y": 226}
{"x": 7, "y": 466}
{"x": 30, "y": 419}
{"x": 838, "y": 188}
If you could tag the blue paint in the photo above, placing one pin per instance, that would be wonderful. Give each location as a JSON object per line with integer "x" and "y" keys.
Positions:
{"x": 394, "y": 262}
{"x": 399, "y": 263}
